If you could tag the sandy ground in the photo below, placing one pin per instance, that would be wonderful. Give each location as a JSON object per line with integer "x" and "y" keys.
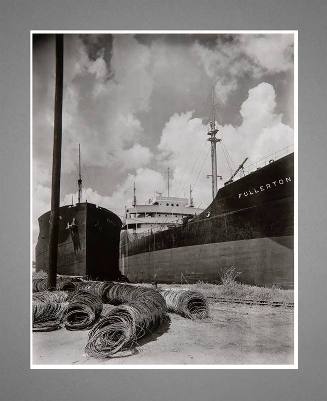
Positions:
{"x": 233, "y": 334}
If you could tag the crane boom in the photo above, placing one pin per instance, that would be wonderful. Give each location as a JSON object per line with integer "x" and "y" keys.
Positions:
{"x": 236, "y": 171}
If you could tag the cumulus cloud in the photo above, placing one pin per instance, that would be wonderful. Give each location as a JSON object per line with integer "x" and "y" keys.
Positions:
{"x": 100, "y": 106}
{"x": 245, "y": 55}
{"x": 261, "y": 131}
{"x": 184, "y": 149}
{"x": 273, "y": 53}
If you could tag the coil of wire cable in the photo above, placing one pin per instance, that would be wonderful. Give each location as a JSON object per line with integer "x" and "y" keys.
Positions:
{"x": 112, "y": 292}
{"x": 187, "y": 303}
{"x": 48, "y": 316}
{"x": 82, "y": 311}
{"x": 123, "y": 325}
{"x": 63, "y": 284}
{"x": 51, "y": 296}
{"x": 97, "y": 288}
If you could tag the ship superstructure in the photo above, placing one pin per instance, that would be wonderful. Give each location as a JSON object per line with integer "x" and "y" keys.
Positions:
{"x": 158, "y": 214}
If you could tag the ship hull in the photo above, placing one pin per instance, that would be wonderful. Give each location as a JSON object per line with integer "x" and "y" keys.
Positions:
{"x": 88, "y": 242}
{"x": 261, "y": 261}
{"x": 248, "y": 226}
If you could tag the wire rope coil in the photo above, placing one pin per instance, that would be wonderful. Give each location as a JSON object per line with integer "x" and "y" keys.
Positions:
{"x": 63, "y": 284}
{"x": 122, "y": 326}
{"x": 48, "y": 316}
{"x": 187, "y": 303}
{"x": 83, "y": 311}
{"x": 51, "y": 296}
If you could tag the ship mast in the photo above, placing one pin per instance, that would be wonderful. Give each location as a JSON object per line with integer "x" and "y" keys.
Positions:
{"x": 79, "y": 181}
{"x": 191, "y": 199}
{"x": 134, "y": 196}
{"x": 212, "y": 132}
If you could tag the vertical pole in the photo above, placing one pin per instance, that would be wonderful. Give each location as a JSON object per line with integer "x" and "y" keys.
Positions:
{"x": 213, "y": 140}
{"x": 134, "y": 195}
{"x": 191, "y": 199}
{"x": 214, "y": 168}
{"x": 56, "y": 166}
{"x": 212, "y": 172}
{"x": 168, "y": 182}
{"x": 79, "y": 182}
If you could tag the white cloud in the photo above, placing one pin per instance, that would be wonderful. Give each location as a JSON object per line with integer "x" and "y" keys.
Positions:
{"x": 274, "y": 53}
{"x": 98, "y": 112}
{"x": 253, "y": 55}
{"x": 261, "y": 131}
{"x": 135, "y": 157}
{"x": 184, "y": 149}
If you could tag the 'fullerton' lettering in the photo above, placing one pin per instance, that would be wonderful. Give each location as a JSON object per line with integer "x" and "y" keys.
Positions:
{"x": 253, "y": 191}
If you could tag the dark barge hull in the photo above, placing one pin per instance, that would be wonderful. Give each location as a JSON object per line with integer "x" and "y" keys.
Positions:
{"x": 249, "y": 225}
{"x": 88, "y": 242}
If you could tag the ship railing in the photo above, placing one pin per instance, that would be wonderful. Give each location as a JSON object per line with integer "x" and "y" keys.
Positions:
{"x": 267, "y": 159}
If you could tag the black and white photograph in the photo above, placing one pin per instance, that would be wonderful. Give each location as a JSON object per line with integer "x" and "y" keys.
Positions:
{"x": 164, "y": 199}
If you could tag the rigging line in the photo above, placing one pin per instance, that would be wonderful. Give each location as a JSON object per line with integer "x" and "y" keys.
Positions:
{"x": 196, "y": 156}
{"x": 199, "y": 158}
{"x": 228, "y": 159}
{"x": 200, "y": 171}
{"x": 196, "y": 167}
{"x": 231, "y": 160}
{"x": 181, "y": 183}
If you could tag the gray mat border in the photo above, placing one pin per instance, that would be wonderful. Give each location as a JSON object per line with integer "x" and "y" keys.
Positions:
{"x": 17, "y": 381}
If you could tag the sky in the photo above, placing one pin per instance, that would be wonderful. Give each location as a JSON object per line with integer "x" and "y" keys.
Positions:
{"x": 138, "y": 104}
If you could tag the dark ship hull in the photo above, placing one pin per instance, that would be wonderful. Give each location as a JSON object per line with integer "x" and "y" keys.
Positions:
{"x": 88, "y": 242}
{"x": 249, "y": 225}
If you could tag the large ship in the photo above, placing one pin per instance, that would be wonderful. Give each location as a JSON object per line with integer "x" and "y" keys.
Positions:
{"x": 249, "y": 226}
{"x": 88, "y": 240}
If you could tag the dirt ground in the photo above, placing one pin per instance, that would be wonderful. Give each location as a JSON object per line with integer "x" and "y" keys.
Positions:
{"x": 233, "y": 334}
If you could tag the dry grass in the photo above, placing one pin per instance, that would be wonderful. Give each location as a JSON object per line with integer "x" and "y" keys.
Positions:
{"x": 246, "y": 292}
{"x": 231, "y": 289}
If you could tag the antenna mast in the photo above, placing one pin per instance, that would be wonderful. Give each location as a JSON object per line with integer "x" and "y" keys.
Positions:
{"x": 79, "y": 181}
{"x": 213, "y": 130}
{"x": 134, "y": 197}
{"x": 191, "y": 199}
